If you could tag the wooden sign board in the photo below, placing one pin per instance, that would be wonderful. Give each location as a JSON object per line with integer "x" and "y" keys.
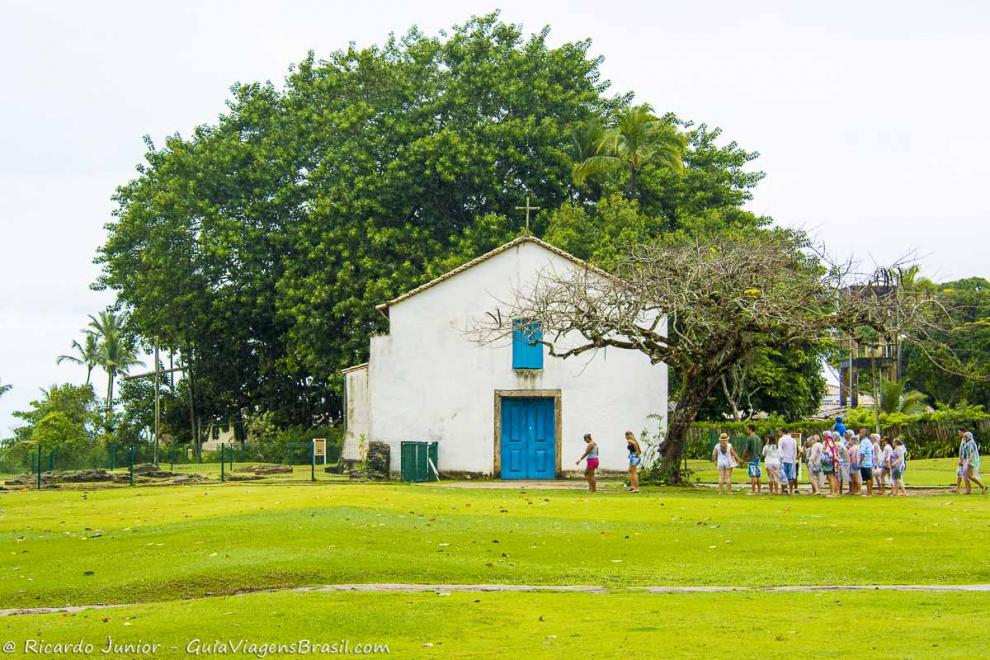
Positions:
{"x": 320, "y": 447}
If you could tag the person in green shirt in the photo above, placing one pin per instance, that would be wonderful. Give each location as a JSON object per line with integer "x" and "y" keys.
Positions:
{"x": 752, "y": 449}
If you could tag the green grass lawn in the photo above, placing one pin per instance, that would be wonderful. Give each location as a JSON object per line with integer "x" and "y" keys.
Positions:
{"x": 921, "y": 472}
{"x": 486, "y": 625}
{"x": 156, "y": 548}
{"x": 142, "y": 544}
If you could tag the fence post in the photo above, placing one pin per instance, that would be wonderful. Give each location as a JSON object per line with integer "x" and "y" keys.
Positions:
{"x": 312, "y": 472}
{"x": 130, "y": 461}
{"x": 230, "y": 453}
{"x": 223, "y": 464}
{"x": 39, "y": 466}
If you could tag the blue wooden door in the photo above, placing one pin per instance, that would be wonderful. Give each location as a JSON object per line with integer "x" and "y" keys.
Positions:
{"x": 528, "y": 441}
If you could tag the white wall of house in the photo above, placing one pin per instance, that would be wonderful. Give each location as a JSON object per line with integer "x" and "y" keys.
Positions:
{"x": 428, "y": 380}
{"x": 358, "y": 411}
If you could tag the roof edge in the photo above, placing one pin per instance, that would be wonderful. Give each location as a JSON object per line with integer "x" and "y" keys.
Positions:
{"x": 527, "y": 238}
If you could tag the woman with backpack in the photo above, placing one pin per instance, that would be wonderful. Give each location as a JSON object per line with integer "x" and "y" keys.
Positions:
{"x": 971, "y": 463}
{"x": 830, "y": 464}
{"x": 725, "y": 459}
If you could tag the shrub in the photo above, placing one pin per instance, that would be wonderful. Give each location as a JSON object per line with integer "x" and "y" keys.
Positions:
{"x": 928, "y": 435}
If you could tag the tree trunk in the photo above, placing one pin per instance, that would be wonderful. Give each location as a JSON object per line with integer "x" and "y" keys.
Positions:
{"x": 192, "y": 405}
{"x": 688, "y": 404}
{"x": 109, "y": 410}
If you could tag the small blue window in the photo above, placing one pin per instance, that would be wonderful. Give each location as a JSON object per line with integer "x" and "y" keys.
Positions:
{"x": 527, "y": 351}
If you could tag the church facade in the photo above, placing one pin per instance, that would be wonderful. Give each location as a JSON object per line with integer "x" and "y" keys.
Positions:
{"x": 504, "y": 409}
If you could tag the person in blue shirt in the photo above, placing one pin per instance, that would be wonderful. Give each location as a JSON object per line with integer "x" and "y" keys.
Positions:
{"x": 866, "y": 460}
{"x": 839, "y": 427}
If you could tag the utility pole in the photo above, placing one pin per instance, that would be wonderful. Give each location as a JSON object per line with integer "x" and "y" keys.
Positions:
{"x": 158, "y": 403}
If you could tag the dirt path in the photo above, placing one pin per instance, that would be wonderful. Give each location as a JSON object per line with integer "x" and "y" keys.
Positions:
{"x": 447, "y": 589}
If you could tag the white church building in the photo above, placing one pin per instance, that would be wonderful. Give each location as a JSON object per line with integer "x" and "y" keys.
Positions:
{"x": 506, "y": 409}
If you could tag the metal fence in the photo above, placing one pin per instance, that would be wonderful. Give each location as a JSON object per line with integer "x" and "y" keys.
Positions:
{"x": 37, "y": 466}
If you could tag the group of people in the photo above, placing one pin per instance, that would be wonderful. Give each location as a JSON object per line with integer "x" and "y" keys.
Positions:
{"x": 850, "y": 463}
{"x": 590, "y": 455}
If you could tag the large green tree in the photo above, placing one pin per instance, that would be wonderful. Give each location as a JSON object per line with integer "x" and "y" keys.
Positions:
{"x": 258, "y": 247}
{"x": 967, "y": 301}
{"x": 64, "y": 406}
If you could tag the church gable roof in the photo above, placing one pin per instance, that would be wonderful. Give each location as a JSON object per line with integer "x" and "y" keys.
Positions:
{"x": 383, "y": 308}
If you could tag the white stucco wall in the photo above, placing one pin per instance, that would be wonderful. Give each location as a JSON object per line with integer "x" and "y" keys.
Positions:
{"x": 428, "y": 380}
{"x": 358, "y": 409}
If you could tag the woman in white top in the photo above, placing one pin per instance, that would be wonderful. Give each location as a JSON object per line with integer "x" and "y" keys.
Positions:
{"x": 877, "y": 460}
{"x": 771, "y": 457}
{"x": 725, "y": 458}
{"x": 815, "y": 477}
{"x": 898, "y": 456}
{"x": 885, "y": 452}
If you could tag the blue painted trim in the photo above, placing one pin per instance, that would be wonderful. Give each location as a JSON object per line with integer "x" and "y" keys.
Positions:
{"x": 527, "y": 352}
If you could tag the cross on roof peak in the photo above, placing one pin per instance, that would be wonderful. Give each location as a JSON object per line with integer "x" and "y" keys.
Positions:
{"x": 527, "y": 209}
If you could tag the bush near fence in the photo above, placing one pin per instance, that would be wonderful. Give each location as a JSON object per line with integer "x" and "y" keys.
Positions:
{"x": 930, "y": 435}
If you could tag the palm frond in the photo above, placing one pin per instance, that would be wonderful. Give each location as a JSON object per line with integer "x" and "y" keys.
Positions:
{"x": 594, "y": 166}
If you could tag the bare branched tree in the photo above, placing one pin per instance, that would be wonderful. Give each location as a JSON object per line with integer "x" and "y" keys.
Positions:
{"x": 702, "y": 306}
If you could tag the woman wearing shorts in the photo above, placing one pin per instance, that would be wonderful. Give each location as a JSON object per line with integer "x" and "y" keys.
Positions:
{"x": 884, "y": 464}
{"x": 591, "y": 453}
{"x": 855, "y": 479}
{"x": 898, "y": 461}
{"x": 865, "y": 458}
{"x": 830, "y": 464}
{"x": 725, "y": 458}
{"x": 635, "y": 458}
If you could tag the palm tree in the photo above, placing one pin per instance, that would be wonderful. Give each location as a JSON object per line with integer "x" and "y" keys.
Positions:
{"x": 893, "y": 397}
{"x": 911, "y": 279}
{"x": 87, "y": 353}
{"x": 4, "y": 389}
{"x": 637, "y": 139}
{"x": 107, "y": 322}
{"x": 116, "y": 351}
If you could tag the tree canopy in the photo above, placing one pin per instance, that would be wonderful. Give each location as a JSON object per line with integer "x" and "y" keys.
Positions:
{"x": 968, "y": 303}
{"x": 64, "y": 415}
{"x": 256, "y": 248}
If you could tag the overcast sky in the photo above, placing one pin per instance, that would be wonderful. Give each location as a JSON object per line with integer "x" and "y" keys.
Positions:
{"x": 870, "y": 118}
